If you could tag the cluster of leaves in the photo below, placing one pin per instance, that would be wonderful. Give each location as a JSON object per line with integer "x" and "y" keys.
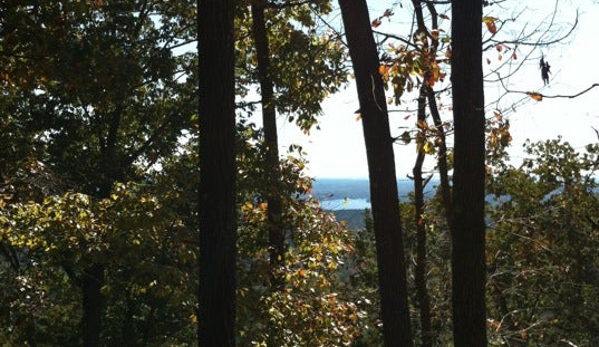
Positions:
{"x": 542, "y": 258}
{"x": 417, "y": 61}
{"x": 134, "y": 232}
{"x": 308, "y": 63}
{"x": 144, "y": 234}
{"x": 498, "y": 134}
{"x": 309, "y": 307}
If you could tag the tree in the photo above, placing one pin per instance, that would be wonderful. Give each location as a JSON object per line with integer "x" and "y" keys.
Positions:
{"x": 381, "y": 170}
{"x": 542, "y": 238}
{"x": 468, "y": 227}
{"x": 301, "y": 82}
{"x": 217, "y": 174}
{"x": 272, "y": 172}
{"x": 98, "y": 86}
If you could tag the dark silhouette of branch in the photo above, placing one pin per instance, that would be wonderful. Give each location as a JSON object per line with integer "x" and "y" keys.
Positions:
{"x": 395, "y": 37}
{"x": 556, "y": 96}
{"x": 281, "y": 5}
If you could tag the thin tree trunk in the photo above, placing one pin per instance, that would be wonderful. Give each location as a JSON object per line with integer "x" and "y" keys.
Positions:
{"x": 468, "y": 234}
{"x": 276, "y": 233}
{"x": 381, "y": 170}
{"x": 420, "y": 269}
{"x": 441, "y": 156}
{"x": 216, "y": 294}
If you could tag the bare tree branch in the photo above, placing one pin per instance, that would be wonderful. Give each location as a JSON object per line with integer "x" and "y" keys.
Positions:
{"x": 556, "y": 96}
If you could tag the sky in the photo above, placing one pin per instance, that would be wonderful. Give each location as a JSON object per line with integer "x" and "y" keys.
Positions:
{"x": 337, "y": 149}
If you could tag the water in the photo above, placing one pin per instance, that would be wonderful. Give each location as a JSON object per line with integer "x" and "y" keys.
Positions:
{"x": 337, "y": 194}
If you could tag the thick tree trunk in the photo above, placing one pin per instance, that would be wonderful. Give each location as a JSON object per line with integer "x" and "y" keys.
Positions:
{"x": 468, "y": 234}
{"x": 216, "y": 294}
{"x": 381, "y": 170}
{"x": 276, "y": 231}
{"x": 93, "y": 304}
{"x": 93, "y": 275}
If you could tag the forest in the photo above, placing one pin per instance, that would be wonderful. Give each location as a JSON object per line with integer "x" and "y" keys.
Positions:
{"x": 146, "y": 199}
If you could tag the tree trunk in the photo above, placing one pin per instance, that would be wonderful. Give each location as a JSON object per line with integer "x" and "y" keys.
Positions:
{"x": 276, "y": 232}
{"x": 468, "y": 232}
{"x": 216, "y": 294}
{"x": 93, "y": 304}
{"x": 420, "y": 268}
{"x": 441, "y": 156}
{"x": 381, "y": 170}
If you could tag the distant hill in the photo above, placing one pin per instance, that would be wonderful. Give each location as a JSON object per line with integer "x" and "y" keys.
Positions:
{"x": 354, "y": 218}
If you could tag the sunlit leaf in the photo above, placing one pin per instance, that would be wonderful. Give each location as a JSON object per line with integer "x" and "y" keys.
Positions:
{"x": 535, "y": 96}
{"x": 428, "y": 147}
{"x": 490, "y": 22}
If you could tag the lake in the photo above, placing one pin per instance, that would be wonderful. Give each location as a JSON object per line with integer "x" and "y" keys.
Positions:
{"x": 337, "y": 194}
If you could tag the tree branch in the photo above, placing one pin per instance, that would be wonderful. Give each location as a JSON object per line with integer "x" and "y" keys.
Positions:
{"x": 557, "y": 96}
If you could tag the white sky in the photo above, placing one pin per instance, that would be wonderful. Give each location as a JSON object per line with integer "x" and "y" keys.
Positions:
{"x": 337, "y": 150}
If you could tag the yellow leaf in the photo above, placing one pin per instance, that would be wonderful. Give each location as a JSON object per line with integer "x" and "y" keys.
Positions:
{"x": 428, "y": 147}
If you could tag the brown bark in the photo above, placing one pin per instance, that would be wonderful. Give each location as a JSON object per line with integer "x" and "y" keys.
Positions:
{"x": 216, "y": 294}
{"x": 381, "y": 170}
{"x": 468, "y": 232}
